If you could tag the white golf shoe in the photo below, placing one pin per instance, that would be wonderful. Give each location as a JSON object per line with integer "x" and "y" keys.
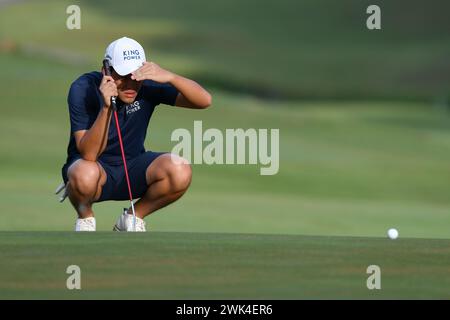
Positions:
{"x": 87, "y": 224}
{"x": 125, "y": 223}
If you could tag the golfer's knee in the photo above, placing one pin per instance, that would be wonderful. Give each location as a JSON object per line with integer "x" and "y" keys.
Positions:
{"x": 180, "y": 176}
{"x": 84, "y": 178}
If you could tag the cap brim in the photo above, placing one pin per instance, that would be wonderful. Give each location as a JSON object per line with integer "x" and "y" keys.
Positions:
{"x": 127, "y": 68}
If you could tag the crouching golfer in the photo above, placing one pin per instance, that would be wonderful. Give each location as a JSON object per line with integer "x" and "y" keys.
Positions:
{"x": 94, "y": 169}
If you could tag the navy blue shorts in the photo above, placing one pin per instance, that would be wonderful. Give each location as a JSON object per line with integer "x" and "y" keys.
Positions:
{"x": 115, "y": 187}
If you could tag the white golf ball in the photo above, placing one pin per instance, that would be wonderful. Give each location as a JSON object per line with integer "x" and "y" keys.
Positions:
{"x": 393, "y": 233}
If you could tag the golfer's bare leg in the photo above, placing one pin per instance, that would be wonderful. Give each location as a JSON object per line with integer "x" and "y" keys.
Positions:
{"x": 167, "y": 181}
{"x": 86, "y": 179}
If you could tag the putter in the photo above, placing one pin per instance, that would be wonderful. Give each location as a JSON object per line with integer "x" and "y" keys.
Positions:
{"x": 107, "y": 68}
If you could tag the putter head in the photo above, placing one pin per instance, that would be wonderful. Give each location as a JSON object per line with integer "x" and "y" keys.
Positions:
{"x": 134, "y": 216}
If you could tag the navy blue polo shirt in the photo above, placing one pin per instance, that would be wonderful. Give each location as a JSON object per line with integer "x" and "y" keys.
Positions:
{"x": 85, "y": 102}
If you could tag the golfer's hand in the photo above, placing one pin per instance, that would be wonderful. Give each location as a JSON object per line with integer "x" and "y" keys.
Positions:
{"x": 108, "y": 89}
{"x": 151, "y": 71}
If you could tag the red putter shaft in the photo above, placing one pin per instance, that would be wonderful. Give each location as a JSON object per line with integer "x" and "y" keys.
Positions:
{"x": 119, "y": 133}
{"x": 106, "y": 66}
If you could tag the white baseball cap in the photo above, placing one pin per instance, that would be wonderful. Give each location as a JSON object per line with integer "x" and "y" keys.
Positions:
{"x": 125, "y": 55}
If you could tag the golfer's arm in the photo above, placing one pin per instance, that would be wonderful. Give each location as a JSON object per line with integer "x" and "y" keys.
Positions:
{"x": 191, "y": 94}
{"x": 91, "y": 143}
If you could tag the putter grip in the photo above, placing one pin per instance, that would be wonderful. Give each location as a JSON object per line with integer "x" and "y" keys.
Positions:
{"x": 107, "y": 69}
{"x": 113, "y": 103}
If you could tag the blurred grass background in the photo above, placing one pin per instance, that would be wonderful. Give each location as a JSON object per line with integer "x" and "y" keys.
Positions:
{"x": 364, "y": 116}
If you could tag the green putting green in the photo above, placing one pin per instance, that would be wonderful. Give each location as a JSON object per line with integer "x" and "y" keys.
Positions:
{"x": 169, "y": 265}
